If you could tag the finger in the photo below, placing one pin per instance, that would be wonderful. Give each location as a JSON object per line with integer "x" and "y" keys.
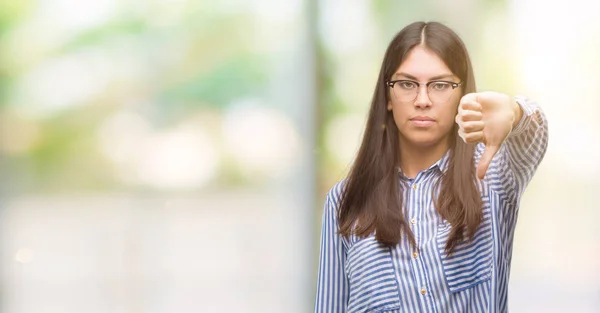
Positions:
{"x": 486, "y": 160}
{"x": 471, "y": 137}
{"x": 471, "y": 105}
{"x": 470, "y": 115}
{"x": 472, "y": 126}
{"x": 469, "y": 98}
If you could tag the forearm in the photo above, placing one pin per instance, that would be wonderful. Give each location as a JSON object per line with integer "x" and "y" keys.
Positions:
{"x": 528, "y": 141}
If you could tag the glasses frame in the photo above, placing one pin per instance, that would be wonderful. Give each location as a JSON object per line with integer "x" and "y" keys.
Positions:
{"x": 391, "y": 84}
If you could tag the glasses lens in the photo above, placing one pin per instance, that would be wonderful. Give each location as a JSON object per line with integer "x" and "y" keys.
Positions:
{"x": 440, "y": 92}
{"x": 405, "y": 91}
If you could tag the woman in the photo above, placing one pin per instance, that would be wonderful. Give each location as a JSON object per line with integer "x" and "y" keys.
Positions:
{"x": 424, "y": 222}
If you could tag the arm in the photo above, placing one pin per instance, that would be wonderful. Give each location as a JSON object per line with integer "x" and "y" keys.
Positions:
{"x": 527, "y": 143}
{"x": 332, "y": 283}
{"x": 512, "y": 137}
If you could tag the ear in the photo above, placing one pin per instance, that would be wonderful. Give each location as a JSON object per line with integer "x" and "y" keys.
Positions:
{"x": 389, "y": 106}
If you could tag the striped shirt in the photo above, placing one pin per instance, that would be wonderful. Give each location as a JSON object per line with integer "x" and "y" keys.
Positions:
{"x": 360, "y": 275}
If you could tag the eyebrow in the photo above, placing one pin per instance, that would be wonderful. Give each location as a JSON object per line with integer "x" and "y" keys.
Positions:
{"x": 437, "y": 77}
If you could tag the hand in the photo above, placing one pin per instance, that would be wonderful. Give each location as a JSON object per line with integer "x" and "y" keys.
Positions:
{"x": 487, "y": 117}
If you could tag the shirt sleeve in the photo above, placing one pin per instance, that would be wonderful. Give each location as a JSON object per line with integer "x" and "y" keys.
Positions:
{"x": 515, "y": 164}
{"x": 332, "y": 282}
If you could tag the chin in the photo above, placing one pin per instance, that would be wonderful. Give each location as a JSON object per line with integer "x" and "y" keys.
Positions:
{"x": 424, "y": 140}
{"x": 425, "y": 143}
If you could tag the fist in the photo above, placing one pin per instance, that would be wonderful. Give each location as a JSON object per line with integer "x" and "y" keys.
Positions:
{"x": 486, "y": 117}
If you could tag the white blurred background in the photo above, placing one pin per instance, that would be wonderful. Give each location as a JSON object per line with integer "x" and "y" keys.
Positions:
{"x": 173, "y": 155}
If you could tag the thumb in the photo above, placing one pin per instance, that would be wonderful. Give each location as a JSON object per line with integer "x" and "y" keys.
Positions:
{"x": 486, "y": 159}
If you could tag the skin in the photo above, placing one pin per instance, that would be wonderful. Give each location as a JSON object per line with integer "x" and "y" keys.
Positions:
{"x": 423, "y": 144}
{"x": 486, "y": 117}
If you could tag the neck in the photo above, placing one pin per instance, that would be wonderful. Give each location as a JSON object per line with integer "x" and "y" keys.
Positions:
{"x": 415, "y": 159}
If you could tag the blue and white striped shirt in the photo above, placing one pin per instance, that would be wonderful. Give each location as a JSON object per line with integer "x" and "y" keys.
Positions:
{"x": 360, "y": 275}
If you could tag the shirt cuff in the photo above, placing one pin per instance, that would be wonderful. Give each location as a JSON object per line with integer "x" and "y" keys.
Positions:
{"x": 529, "y": 108}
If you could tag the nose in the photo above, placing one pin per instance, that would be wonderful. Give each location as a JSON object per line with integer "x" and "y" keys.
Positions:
{"x": 422, "y": 100}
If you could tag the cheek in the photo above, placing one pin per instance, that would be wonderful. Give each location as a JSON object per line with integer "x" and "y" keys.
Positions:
{"x": 452, "y": 109}
{"x": 447, "y": 116}
{"x": 399, "y": 113}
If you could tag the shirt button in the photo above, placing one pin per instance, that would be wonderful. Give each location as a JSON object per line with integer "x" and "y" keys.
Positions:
{"x": 413, "y": 220}
{"x": 423, "y": 291}
{"x": 414, "y": 186}
{"x": 415, "y": 255}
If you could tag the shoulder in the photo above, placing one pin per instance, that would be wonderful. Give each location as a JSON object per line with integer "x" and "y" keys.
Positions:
{"x": 334, "y": 195}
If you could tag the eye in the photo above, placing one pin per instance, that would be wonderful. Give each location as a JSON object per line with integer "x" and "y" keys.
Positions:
{"x": 407, "y": 84}
{"x": 440, "y": 86}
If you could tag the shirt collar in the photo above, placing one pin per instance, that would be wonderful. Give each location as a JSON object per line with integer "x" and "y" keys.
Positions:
{"x": 441, "y": 164}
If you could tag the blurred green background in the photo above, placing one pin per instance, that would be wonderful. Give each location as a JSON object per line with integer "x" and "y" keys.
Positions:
{"x": 173, "y": 155}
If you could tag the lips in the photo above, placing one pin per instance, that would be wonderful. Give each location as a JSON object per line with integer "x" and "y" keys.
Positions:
{"x": 422, "y": 119}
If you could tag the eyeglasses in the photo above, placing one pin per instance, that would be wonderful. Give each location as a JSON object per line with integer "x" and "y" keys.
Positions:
{"x": 407, "y": 90}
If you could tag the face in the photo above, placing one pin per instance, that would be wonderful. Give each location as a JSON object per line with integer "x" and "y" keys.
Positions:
{"x": 424, "y": 123}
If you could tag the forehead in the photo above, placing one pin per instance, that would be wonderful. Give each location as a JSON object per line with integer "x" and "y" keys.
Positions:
{"x": 423, "y": 64}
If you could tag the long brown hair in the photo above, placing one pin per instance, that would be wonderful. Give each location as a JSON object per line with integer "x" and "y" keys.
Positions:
{"x": 372, "y": 199}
